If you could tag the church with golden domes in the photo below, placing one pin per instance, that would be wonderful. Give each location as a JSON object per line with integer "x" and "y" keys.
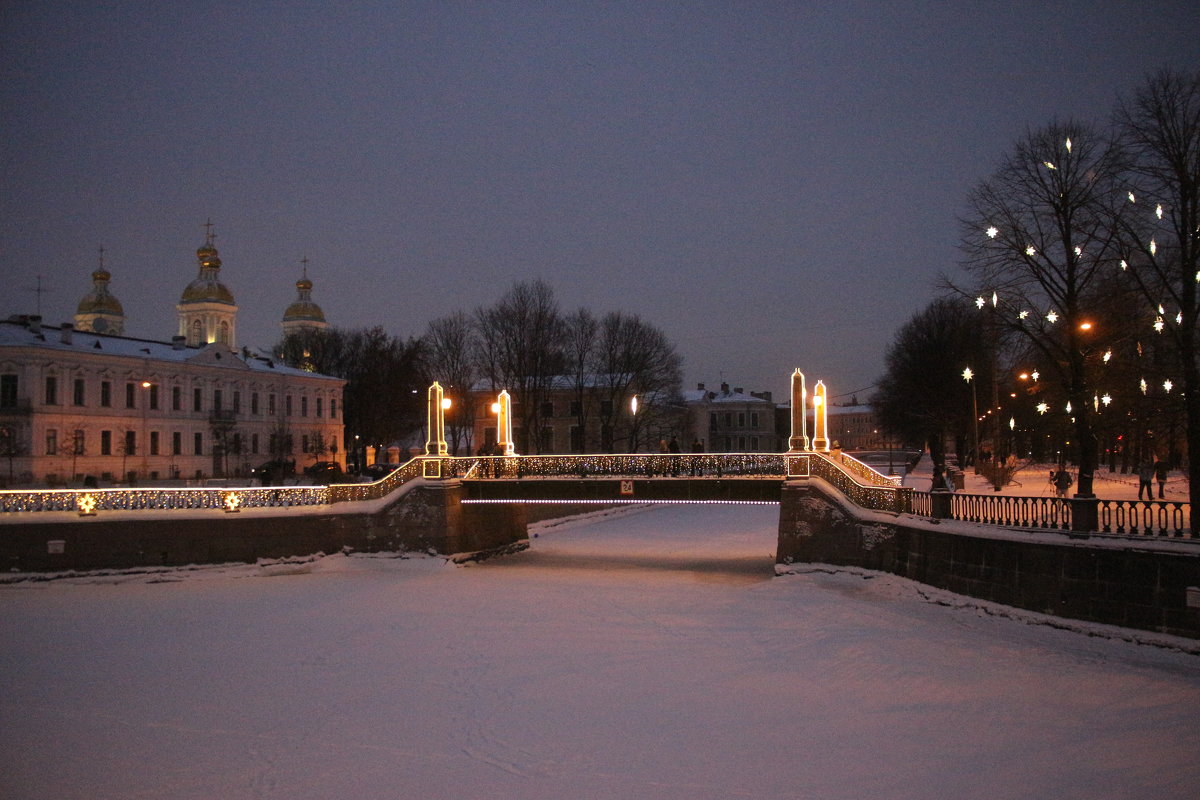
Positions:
{"x": 81, "y": 400}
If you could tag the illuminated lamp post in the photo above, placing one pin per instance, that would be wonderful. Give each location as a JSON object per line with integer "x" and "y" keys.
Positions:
{"x": 503, "y": 409}
{"x": 967, "y": 376}
{"x": 799, "y": 440}
{"x": 633, "y": 428}
{"x": 435, "y": 445}
{"x": 820, "y": 423}
{"x": 145, "y": 436}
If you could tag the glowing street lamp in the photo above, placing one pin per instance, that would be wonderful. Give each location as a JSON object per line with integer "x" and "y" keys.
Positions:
{"x": 967, "y": 376}
{"x": 503, "y": 409}
{"x": 820, "y": 417}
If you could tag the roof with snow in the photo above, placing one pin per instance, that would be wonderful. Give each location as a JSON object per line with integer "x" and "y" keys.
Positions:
{"x": 21, "y": 331}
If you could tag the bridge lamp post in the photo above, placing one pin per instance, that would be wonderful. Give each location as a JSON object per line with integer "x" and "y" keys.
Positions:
{"x": 502, "y": 408}
{"x": 633, "y": 428}
{"x": 435, "y": 444}
{"x": 967, "y": 376}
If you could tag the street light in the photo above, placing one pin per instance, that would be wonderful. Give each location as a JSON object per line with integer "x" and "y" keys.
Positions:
{"x": 967, "y": 376}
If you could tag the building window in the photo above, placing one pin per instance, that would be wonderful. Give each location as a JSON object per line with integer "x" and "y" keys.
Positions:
{"x": 271, "y": 404}
{"x": 237, "y": 402}
{"x": 78, "y": 398}
{"x": 576, "y": 409}
{"x": 216, "y": 399}
{"x": 176, "y": 398}
{"x": 153, "y": 443}
{"x": 304, "y": 406}
{"x": 198, "y": 444}
{"x": 287, "y": 406}
{"x": 197, "y": 400}
{"x": 304, "y": 443}
{"x": 154, "y": 396}
{"x": 254, "y": 443}
{"x": 106, "y": 443}
{"x": 8, "y": 391}
{"x": 106, "y": 394}
{"x": 547, "y": 410}
{"x": 320, "y": 408}
{"x": 741, "y": 419}
{"x": 333, "y": 408}
{"x": 51, "y": 442}
{"x": 131, "y": 443}
{"x": 51, "y": 390}
{"x": 78, "y": 443}
{"x": 254, "y": 402}
{"x": 754, "y": 421}
{"x": 130, "y": 396}
{"x": 176, "y": 443}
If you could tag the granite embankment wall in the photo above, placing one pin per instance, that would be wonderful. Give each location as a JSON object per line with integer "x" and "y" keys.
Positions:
{"x": 424, "y": 517}
{"x": 1133, "y": 583}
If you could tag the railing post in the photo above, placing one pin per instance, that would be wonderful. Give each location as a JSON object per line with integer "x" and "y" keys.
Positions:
{"x": 1085, "y": 514}
{"x": 941, "y": 504}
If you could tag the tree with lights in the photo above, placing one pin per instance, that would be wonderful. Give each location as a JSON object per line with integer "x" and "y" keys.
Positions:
{"x": 1160, "y": 227}
{"x": 1040, "y": 234}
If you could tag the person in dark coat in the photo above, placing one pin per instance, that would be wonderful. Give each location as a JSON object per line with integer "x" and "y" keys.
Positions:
{"x": 1160, "y": 475}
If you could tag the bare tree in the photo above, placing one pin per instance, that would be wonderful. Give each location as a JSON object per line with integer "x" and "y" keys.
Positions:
{"x": 922, "y": 396}
{"x": 1039, "y": 234}
{"x": 1161, "y": 227}
{"x": 633, "y": 357}
{"x": 581, "y": 329}
{"x": 521, "y": 350}
{"x": 452, "y": 345}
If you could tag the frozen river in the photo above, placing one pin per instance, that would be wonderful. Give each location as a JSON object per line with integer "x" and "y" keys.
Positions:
{"x": 648, "y": 654}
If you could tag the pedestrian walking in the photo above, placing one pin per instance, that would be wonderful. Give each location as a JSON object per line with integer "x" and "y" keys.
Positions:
{"x": 1160, "y": 474}
{"x": 1062, "y": 482}
{"x": 1145, "y": 475}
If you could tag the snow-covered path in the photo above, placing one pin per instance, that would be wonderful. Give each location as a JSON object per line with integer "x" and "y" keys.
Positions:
{"x": 643, "y": 655}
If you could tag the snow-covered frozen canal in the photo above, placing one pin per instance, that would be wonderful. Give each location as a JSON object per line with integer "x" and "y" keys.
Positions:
{"x": 649, "y": 654}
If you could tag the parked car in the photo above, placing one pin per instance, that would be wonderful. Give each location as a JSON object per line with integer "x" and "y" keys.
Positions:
{"x": 325, "y": 472}
{"x": 273, "y": 471}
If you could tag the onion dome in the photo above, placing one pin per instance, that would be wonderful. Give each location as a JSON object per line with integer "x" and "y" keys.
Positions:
{"x": 207, "y": 287}
{"x": 99, "y": 300}
{"x": 99, "y": 311}
{"x": 303, "y": 313}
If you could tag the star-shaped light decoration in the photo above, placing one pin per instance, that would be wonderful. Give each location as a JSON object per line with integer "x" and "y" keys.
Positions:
{"x": 1168, "y": 386}
{"x": 1042, "y": 408}
{"x": 1125, "y": 266}
{"x": 1106, "y": 399}
{"x": 980, "y": 302}
{"x": 1158, "y": 211}
{"x": 1035, "y": 374}
{"x": 1022, "y": 315}
{"x": 968, "y": 374}
{"x": 992, "y": 232}
{"x": 1159, "y": 324}
{"x": 1144, "y": 386}
{"x": 1030, "y": 250}
{"x": 1053, "y": 317}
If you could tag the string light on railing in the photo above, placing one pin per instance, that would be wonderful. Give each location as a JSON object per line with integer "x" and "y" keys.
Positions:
{"x": 87, "y": 505}
{"x": 232, "y": 501}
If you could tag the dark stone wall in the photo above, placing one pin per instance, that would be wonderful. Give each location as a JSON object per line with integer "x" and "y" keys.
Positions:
{"x": 1134, "y": 587}
{"x": 426, "y": 518}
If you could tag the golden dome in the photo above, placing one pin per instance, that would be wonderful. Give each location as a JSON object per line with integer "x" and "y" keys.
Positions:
{"x": 98, "y": 300}
{"x": 306, "y": 311}
{"x": 207, "y": 287}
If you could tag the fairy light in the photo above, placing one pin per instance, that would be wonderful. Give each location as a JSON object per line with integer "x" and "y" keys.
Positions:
{"x": 1068, "y": 143}
{"x": 1144, "y": 386}
{"x": 1078, "y": 251}
{"x": 995, "y": 300}
{"x": 1159, "y": 324}
{"x": 232, "y": 501}
{"x": 1132, "y": 199}
{"x": 1107, "y": 356}
{"x": 1153, "y": 248}
{"x": 1158, "y": 212}
{"x": 1179, "y": 318}
{"x": 1068, "y": 406}
{"x": 87, "y": 505}
{"x": 1023, "y": 314}
{"x": 1125, "y": 266}
{"x": 1030, "y": 250}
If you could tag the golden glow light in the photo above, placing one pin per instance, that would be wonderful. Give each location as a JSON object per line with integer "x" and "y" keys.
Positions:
{"x": 145, "y": 384}
{"x": 495, "y": 408}
{"x": 1144, "y": 385}
{"x": 232, "y": 501}
{"x": 633, "y": 404}
{"x": 446, "y": 403}
{"x": 86, "y": 504}
{"x": 1085, "y": 326}
{"x": 1159, "y": 324}
{"x": 1049, "y": 165}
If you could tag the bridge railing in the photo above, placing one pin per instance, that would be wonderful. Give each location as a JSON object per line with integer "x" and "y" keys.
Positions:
{"x": 89, "y": 501}
{"x": 862, "y": 485}
{"x": 1118, "y": 517}
{"x": 640, "y": 465}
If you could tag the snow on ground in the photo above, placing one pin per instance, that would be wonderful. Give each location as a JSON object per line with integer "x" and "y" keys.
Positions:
{"x": 646, "y": 654}
{"x": 1033, "y": 480}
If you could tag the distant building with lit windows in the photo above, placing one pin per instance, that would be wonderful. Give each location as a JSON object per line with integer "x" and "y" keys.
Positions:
{"x": 79, "y": 400}
{"x": 730, "y": 420}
